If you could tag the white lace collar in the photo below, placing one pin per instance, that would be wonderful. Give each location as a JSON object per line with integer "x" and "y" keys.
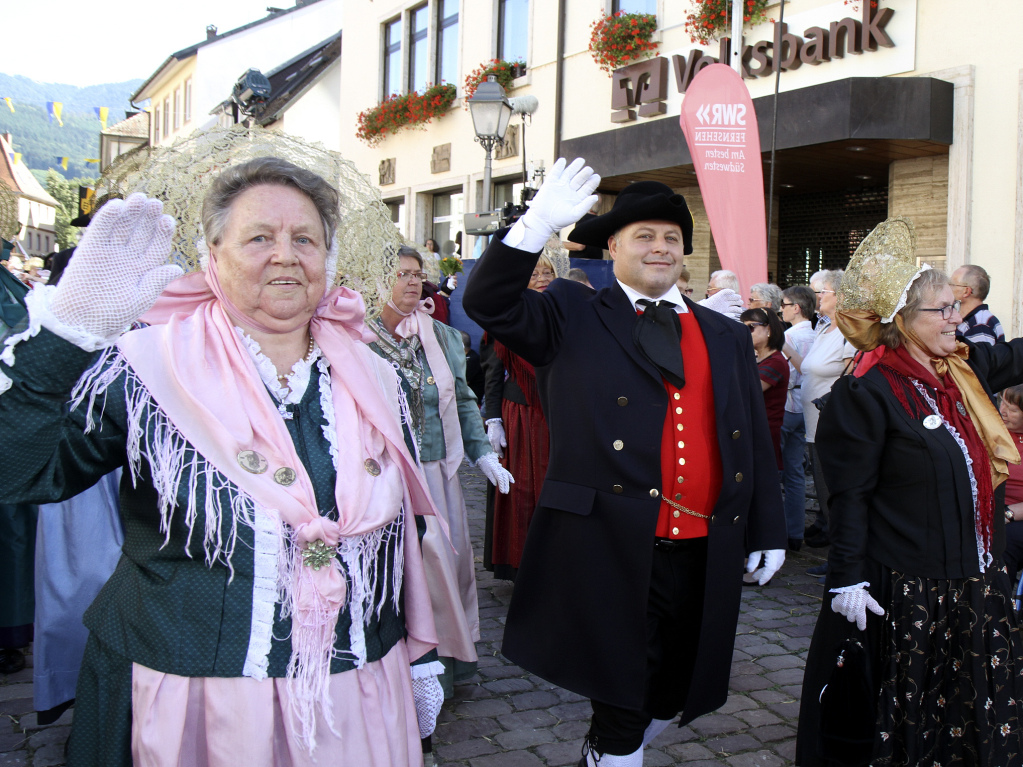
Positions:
{"x": 298, "y": 378}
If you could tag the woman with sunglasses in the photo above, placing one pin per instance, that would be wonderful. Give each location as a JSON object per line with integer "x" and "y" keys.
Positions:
{"x": 916, "y": 657}
{"x": 768, "y": 338}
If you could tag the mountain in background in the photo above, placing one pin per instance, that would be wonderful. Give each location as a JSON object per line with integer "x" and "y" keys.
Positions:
{"x": 40, "y": 142}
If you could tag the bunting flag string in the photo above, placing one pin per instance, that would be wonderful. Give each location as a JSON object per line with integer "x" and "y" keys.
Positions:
{"x": 102, "y": 113}
{"x": 62, "y": 162}
{"x": 55, "y": 108}
{"x": 17, "y": 157}
{"x": 10, "y": 104}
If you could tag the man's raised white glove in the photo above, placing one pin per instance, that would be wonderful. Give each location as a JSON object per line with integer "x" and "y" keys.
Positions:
{"x": 854, "y": 605}
{"x": 495, "y": 433}
{"x": 119, "y": 268}
{"x": 492, "y": 469}
{"x": 726, "y": 302}
{"x": 565, "y": 196}
{"x": 773, "y": 560}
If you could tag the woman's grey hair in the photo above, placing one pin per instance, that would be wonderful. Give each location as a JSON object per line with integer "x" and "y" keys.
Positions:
{"x": 923, "y": 290}
{"x": 831, "y": 278}
{"x": 766, "y": 291}
{"x": 271, "y": 171}
{"x": 406, "y": 250}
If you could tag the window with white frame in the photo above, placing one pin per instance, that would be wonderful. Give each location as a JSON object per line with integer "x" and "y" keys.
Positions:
{"x": 512, "y": 29}
{"x": 447, "y": 42}
{"x": 418, "y": 48}
{"x": 448, "y": 210}
{"x": 188, "y": 100}
{"x": 156, "y": 125}
{"x": 166, "y": 117}
{"x": 392, "y": 58}
{"x": 634, "y": 6}
{"x": 177, "y": 108}
{"x": 397, "y": 210}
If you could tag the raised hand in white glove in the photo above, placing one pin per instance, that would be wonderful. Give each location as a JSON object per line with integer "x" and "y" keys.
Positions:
{"x": 119, "y": 269}
{"x": 495, "y": 433}
{"x": 726, "y": 302}
{"x": 429, "y": 697}
{"x": 773, "y": 560}
{"x": 565, "y": 196}
{"x": 854, "y": 605}
{"x": 492, "y": 469}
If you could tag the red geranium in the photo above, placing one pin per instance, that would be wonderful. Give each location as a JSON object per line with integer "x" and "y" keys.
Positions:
{"x": 711, "y": 18}
{"x": 621, "y": 38}
{"x": 397, "y": 112}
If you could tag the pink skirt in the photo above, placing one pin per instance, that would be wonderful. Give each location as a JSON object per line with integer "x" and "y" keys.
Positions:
{"x": 222, "y": 722}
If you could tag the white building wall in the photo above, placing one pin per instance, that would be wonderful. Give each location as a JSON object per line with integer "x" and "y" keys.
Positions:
{"x": 316, "y": 116}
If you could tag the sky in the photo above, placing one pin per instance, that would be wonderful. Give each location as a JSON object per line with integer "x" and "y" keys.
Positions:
{"x": 111, "y": 41}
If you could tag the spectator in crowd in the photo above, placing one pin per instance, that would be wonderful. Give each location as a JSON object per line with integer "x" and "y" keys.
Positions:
{"x": 473, "y": 369}
{"x": 577, "y": 274}
{"x": 683, "y": 283}
{"x": 431, "y": 245}
{"x": 815, "y": 282}
{"x": 721, "y": 280}
{"x": 798, "y": 304}
{"x": 768, "y": 338}
{"x": 829, "y": 357}
{"x": 970, "y": 285}
{"x": 918, "y": 612}
{"x": 1011, "y": 410}
{"x": 765, "y": 295}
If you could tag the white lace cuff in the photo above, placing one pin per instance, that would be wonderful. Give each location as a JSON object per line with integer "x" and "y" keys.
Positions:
{"x": 521, "y": 237}
{"x": 423, "y": 670}
{"x": 854, "y": 587}
{"x": 493, "y": 420}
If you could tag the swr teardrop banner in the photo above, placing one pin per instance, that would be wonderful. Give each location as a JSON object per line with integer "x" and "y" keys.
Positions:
{"x": 720, "y": 127}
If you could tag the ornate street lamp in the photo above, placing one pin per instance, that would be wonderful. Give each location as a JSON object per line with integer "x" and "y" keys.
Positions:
{"x": 491, "y": 113}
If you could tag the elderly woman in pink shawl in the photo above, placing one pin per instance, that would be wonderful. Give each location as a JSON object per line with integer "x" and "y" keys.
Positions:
{"x": 270, "y": 596}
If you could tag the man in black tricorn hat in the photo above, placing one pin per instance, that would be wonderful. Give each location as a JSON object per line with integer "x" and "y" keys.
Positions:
{"x": 661, "y": 476}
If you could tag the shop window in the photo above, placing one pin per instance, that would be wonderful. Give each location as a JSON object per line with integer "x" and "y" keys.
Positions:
{"x": 447, "y": 42}
{"x": 822, "y": 230}
{"x": 512, "y": 29}
{"x": 418, "y": 48}
{"x": 392, "y": 58}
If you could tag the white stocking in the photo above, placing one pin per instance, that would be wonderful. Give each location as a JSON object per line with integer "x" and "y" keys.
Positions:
{"x": 655, "y": 728}
{"x": 635, "y": 759}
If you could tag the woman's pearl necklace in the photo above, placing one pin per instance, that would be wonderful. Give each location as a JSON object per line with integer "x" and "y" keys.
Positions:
{"x": 283, "y": 377}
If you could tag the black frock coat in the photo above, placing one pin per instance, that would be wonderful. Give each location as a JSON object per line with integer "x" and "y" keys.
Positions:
{"x": 578, "y": 615}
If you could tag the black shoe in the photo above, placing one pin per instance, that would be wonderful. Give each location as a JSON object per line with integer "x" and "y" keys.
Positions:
{"x": 11, "y": 661}
{"x": 818, "y": 569}
{"x": 795, "y": 544}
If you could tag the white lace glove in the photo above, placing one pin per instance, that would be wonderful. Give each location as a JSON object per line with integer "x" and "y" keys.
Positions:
{"x": 495, "y": 433}
{"x": 726, "y": 302}
{"x": 565, "y": 196}
{"x": 773, "y": 560}
{"x": 429, "y": 697}
{"x": 499, "y": 476}
{"x": 854, "y": 605}
{"x": 119, "y": 269}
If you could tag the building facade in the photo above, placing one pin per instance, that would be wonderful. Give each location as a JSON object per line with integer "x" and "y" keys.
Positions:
{"x": 37, "y": 210}
{"x": 909, "y": 108}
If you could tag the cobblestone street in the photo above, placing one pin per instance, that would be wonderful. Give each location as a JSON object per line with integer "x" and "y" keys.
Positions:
{"x": 505, "y": 717}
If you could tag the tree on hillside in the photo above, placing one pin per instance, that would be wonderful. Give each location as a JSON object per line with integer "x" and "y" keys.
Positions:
{"x": 65, "y": 192}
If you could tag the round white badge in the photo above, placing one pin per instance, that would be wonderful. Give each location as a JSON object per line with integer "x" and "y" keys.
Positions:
{"x": 932, "y": 422}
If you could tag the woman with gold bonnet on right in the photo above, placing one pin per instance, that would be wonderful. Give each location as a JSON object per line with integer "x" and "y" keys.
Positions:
{"x": 916, "y": 657}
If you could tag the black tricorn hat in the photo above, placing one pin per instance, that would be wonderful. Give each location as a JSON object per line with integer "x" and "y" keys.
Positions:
{"x": 641, "y": 201}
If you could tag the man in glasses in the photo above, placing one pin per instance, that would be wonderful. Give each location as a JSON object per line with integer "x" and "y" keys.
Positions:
{"x": 722, "y": 280}
{"x": 970, "y": 285}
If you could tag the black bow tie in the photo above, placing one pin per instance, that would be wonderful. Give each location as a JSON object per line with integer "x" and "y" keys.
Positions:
{"x": 658, "y": 334}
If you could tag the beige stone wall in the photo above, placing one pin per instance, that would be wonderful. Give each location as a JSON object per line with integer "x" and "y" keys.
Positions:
{"x": 918, "y": 190}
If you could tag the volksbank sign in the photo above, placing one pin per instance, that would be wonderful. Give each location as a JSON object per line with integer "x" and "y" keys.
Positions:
{"x": 880, "y": 42}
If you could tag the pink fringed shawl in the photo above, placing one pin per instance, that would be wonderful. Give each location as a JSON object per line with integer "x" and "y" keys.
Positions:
{"x": 198, "y": 371}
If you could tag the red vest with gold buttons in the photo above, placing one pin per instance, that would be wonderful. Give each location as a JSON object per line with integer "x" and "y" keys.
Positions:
{"x": 690, "y": 456}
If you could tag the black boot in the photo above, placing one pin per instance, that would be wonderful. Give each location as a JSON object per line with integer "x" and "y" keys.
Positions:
{"x": 11, "y": 661}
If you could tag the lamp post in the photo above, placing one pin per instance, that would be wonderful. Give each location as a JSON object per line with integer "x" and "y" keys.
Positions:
{"x": 491, "y": 113}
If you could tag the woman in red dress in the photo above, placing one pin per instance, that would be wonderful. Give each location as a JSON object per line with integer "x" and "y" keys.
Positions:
{"x": 517, "y": 430}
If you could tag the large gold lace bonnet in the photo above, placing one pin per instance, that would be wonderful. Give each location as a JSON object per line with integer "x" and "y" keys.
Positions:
{"x": 180, "y": 174}
{"x": 10, "y": 226}
{"x": 877, "y": 281}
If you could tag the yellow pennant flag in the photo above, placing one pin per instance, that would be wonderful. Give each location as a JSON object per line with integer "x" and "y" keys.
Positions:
{"x": 63, "y": 162}
{"x": 10, "y": 104}
{"x": 17, "y": 157}
{"x": 92, "y": 160}
{"x": 55, "y": 108}
{"x": 101, "y": 113}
